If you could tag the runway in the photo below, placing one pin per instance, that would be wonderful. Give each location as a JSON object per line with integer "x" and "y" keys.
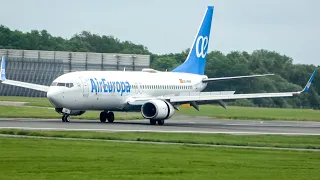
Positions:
{"x": 178, "y": 124}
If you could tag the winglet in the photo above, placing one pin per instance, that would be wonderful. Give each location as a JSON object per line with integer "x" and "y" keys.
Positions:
{"x": 3, "y": 69}
{"x": 306, "y": 88}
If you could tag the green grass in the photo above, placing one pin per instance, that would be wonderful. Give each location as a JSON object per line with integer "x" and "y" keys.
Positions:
{"x": 205, "y": 110}
{"x": 311, "y": 142}
{"x": 42, "y": 102}
{"x": 65, "y": 159}
{"x": 254, "y": 113}
{"x": 27, "y": 112}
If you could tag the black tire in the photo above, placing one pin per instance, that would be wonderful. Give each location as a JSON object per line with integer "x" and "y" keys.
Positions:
{"x": 110, "y": 117}
{"x": 161, "y": 122}
{"x": 103, "y": 116}
{"x": 153, "y": 122}
{"x": 66, "y": 118}
{"x": 63, "y": 118}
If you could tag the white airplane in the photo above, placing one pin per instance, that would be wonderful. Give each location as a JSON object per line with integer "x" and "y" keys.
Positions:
{"x": 154, "y": 93}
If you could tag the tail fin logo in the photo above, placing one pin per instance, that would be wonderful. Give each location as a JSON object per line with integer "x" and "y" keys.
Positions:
{"x": 196, "y": 59}
{"x": 201, "y": 49}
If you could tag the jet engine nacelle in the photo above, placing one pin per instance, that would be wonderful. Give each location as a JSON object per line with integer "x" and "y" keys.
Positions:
{"x": 72, "y": 113}
{"x": 157, "y": 110}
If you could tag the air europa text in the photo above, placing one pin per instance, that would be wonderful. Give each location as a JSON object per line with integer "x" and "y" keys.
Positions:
{"x": 103, "y": 86}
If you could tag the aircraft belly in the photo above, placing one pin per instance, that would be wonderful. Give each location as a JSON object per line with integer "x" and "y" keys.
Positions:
{"x": 102, "y": 102}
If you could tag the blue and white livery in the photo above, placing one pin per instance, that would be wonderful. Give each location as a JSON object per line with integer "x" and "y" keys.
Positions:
{"x": 154, "y": 93}
{"x": 196, "y": 60}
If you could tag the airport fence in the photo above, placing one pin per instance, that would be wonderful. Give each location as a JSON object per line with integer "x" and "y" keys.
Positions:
{"x": 42, "y": 67}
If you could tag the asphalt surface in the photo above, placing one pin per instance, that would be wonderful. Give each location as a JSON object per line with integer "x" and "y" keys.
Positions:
{"x": 178, "y": 124}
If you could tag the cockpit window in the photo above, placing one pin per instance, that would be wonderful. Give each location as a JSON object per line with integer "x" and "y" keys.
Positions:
{"x": 69, "y": 85}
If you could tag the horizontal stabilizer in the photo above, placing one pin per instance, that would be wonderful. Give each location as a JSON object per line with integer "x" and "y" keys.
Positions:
{"x": 234, "y": 77}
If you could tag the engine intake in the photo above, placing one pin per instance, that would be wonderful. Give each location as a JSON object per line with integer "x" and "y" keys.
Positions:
{"x": 157, "y": 110}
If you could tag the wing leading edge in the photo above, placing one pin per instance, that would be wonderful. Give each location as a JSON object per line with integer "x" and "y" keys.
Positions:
{"x": 4, "y": 80}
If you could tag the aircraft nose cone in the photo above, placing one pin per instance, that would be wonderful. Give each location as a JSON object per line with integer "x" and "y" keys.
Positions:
{"x": 54, "y": 97}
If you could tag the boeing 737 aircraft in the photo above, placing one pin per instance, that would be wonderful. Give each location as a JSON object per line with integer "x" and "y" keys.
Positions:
{"x": 154, "y": 93}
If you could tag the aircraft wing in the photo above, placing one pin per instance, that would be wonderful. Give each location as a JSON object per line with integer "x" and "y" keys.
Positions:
{"x": 234, "y": 77}
{"x": 4, "y": 80}
{"x": 26, "y": 85}
{"x": 183, "y": 99}
{"x": 209, "y": 97}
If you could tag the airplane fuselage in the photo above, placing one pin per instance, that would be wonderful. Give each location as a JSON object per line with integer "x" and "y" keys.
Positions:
{"x": 111, "y": 90}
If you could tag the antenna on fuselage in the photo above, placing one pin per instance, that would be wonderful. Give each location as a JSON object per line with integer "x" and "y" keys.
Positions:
{"x": 124, "y": 68}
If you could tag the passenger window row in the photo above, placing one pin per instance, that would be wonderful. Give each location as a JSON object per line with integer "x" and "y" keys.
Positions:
{"x": 69, "y": 85}
{"x": 161, "y": 87}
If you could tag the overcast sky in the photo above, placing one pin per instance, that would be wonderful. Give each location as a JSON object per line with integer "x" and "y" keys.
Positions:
{"x": 290, "y": 27}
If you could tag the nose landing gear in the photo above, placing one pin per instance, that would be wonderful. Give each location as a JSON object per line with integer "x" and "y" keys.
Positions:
{"x": 104, "y": 116}
{"x": 66, "y": 115}
{"x": 65, "y": 118}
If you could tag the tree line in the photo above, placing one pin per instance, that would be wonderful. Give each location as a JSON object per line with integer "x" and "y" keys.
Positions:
{"x": 288, "y": 76}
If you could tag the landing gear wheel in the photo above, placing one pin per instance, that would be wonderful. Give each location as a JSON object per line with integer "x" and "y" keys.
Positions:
{"x": 65, "y": 118}
{"x": 110, "y": 117}
{"x": 161, "y": 122}
{"x": 153, "y": 122}
{"x": 103, "y": 116}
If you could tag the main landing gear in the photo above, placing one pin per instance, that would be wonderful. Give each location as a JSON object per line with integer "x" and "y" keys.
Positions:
{"x": 154, "y": 122}
{"x": 104, "y": 116}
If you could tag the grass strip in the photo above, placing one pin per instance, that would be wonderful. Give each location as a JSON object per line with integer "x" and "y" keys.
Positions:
{"x": 30, "y": 101}
{"x": 309, "y": 142}
{"x": 64, "y": 159}
{"x": 249, "y": 113}
{"x": 27, "y": 112}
